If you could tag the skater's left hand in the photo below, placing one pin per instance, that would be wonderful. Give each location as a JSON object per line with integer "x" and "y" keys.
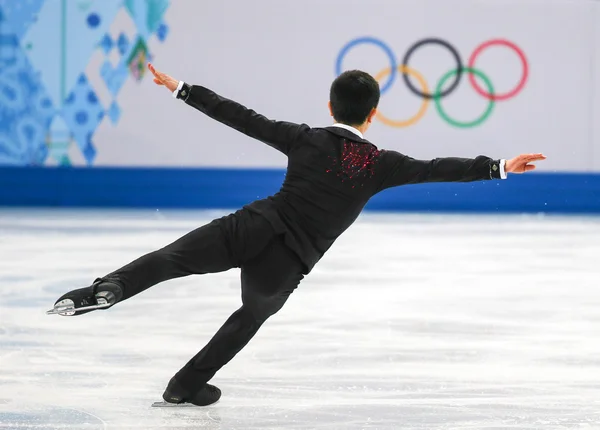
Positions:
{"x": 163, "y": 79}
{"x": 521, "y": 163}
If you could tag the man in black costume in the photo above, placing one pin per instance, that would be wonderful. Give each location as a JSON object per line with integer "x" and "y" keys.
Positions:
{"x": 332, "y": 173}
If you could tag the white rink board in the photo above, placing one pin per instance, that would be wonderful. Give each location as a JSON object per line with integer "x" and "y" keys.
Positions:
{"x": 412, "y": 322}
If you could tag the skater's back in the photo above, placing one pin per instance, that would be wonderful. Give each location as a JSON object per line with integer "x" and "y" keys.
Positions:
{"x": 332, "y": 172}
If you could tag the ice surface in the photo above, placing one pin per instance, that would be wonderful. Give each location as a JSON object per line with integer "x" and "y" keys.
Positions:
{"x": 409, "y": 322}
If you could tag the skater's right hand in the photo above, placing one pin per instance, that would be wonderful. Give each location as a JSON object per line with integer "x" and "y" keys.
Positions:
{"x": 521, "y": 164}
{"x": 163, "y": 79}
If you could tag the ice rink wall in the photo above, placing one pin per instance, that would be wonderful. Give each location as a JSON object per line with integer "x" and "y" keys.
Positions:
{"x": 82, "y": 124}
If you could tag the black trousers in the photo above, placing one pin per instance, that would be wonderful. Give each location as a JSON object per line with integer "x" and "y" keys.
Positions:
{"x": 269, "y": 273}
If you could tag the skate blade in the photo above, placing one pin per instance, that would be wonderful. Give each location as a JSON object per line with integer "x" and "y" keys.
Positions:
{"x": 67, "y": 308}
{"x": 173, "y": 405}
{"x": 180, "y": 405}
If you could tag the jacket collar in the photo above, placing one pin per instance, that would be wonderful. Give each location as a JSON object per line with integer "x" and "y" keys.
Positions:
{"x": 346, "y": 134}
{"x": 349, "y": 128}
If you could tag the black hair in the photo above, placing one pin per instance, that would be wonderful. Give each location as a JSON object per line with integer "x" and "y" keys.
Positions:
{"x": 353, "y": 95}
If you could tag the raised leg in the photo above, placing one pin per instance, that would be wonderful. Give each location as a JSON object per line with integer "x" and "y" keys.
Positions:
{"x": 204, "y": 250}
{"x": 215, "y": 247}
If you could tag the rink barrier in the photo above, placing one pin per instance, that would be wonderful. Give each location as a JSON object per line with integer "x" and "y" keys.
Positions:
{"x": 208, "y": 188}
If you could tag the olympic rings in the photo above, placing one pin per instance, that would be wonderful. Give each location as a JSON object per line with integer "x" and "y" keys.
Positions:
{"x": 482, "y": 118}
{"x": 521, "y": 55}
{"x": 422, "y": 110}
{"x": 454, "y": 53}
{"x": 455, "y": 73}
{"x": 373, "y": 41}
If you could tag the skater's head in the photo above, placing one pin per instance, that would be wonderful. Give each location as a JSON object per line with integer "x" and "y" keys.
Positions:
{"x": 353, "y": 99}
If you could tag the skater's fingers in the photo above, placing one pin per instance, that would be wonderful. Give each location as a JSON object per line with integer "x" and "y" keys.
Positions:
{"x": 534, "y": 157}
{"x": 156, "y": 74}
{"x": 158, "y": 82}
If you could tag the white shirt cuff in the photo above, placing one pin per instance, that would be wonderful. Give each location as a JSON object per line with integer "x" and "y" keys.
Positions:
{"x": 179, "y": 87}
{"x": 503, "y": 173}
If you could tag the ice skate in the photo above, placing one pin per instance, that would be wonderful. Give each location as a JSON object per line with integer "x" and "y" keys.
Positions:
{"x": 100, "y": 295}
{"x": 175, "y": 396}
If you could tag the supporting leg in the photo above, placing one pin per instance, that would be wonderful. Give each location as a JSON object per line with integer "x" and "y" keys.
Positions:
{"x": 267, "y": 282}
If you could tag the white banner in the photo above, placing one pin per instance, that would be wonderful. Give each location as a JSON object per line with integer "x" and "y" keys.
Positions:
{"x": 280, "y": 58}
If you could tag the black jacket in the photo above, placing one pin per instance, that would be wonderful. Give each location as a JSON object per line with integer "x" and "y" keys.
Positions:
{"x": 331, "y": 174}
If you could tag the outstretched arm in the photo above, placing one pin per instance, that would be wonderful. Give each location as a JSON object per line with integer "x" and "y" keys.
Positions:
{"x": 406, "y": 170}
{"x": 280, "y": 135}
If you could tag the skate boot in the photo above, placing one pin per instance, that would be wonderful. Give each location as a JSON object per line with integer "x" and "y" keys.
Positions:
{"x": 176, "y": 395}
{"x": 100, "y": 295}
